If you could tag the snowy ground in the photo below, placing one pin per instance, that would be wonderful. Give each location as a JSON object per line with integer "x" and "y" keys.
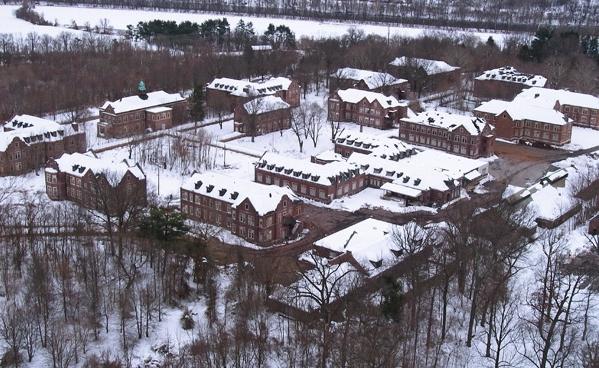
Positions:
{"x": 582, "y": 138}
{"x": 120, "y": 18}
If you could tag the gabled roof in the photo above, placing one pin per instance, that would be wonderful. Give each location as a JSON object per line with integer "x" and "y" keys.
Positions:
{"x": 511, "y": 75}
{"x": 372, "y": 79}
{"x": 547, "y": 97}
{"x": 264, "y": 198}
{"x": 261, "y": 105}
{"x": 132, "y": 103}
{"x": 245, "y": 88}
{"x": 406, "y": 173}
{"x": 449, "y": 122}
{"x": 31, "y": 129}
{"x": 520, "y": 110}
{"x": 354, "y": 96}
{"x": 79, "y": 164}
{"x": 295, "y": 168}
{"x": 430, "y": 67}
{"x": 377, "y": 145}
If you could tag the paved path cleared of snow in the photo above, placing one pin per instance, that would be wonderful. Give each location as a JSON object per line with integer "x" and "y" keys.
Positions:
{"x": 120, "y": 18}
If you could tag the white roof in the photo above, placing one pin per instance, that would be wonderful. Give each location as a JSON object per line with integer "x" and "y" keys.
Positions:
{"x": 265, "y": 104}
{"x": 449, "y": 122}
{"x": 547, "y": 97}
{"x": 157, "y": 110}
{"x": 264, "y": 198}
{"x": 353, "y": 95}
{"x": 329, "y": 156}
{"x": 261, "y": 47}
{"x": 245, "y": 88}
{"x": 132, "y": 103}
{"x": 306, "y": 170}
{"x": 372, "y": 79}
{"x": 368, "y": 241}
{"x": 377, "y": 145}
{"x": 400, "y": 189}
{"x": 78, "y": 164}
{"x": 510, "y": 74}
{"x": 31, "y": 129}
{"x": 430, "y": 67}
{"x": 520, "y": 110}
{"x": 406, "y": 173}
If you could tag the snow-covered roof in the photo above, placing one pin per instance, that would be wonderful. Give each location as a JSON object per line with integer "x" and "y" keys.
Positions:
{"x": 265, "y": 104}
{"x": 510, "y": 74}
{"x": 547, "y": 97}
{"x": 381, "y": 146}
{"x": 264, "y": 198}
{"x": 31, "y": 129}
{"x": 371, "y": 243}
{"x": 78, "y": 164}
{"x": 372, "y": 79}
{"x": 295, "y": 168}
{"x": 246, "y": 88}
{"x": 407, "y": 174}
{"x": 430, "y": 67}
{"x": 521, "y": 110}
{"x": 354, "y": 96}
{"x": 329, "y": 156}
{"x": 159, "y": 109}
{"x": 449, "y": 122}
{"x": 133, "y": 103}
{"x": 261, "y": 47}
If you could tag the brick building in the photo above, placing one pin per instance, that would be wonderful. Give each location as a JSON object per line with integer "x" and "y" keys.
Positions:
{"x": 100, "y": 184}
{"x": 366, "y": 108}
{"x": 582, "y": 108}
{"x": 261, "y": 214}
{"x": 262, "y": 115}
{"x": 310, "y": 180}
{"x": 426, "y": 75}
{"x": 505, "y": 83}
{"x": 368, "y": 80}
{"x": 347, "y": 143}
{"x": 461, "y": 135}
{"x": 225, "y": 94}
{"x": 145, "y": 111}
{"x": 521, "y": 121}
{"x": 28, "y": 142}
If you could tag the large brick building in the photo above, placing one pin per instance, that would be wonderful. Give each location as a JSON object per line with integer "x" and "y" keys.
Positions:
{"x": 261, "y": 214}
{"x": 366, "y": 108}
{"x": 426, "y": 75}
{"x": 347, "y": 143}
{"x": 28, "y": 142}
{"x": 225, "y": 94}
{"x": 412, "y": 183}
{"x": 368, "y": 80}
{"x": 505, "y": 83}
{"x": 143, "y": 112}
{"x": 522, "y": 121}
{"x": 310, "y": 180}
{"x": 461, "y": 135}
{"x": 262, "y": 115}
{"x": 582, "y": 108}
{"x": 100, "y": 184}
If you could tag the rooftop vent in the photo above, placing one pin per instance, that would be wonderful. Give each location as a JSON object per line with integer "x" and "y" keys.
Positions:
{"x": 222, "y": 192}
{"x": 198, "y": 184}
{"x": 209, "y": 188}
{"x": 234, "y": 195}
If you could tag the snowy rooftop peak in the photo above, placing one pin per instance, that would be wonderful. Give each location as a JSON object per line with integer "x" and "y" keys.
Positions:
{"x": 78, "y": 164}
{"x": 523, "y": 110}
{"x": 245, "y": 88}
{"x": 322, "y": 174}
{"x": 430, "y": 67}
{"x": 372, "y": 79}
{"x": 510, "y": 74}
{"x": 449, "y": 122}
{"x": 547, "y": 97}
{"x": 31, "y": 129}
{"x": 264, "y": 198}
{"x": 133, "y": 103}
{"x": 265, "y": 104}
{"x": 354, "y": 96}
{"x": 377, "y": 145}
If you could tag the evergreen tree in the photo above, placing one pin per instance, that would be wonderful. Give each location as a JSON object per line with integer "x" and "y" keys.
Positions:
{"x": 163, "y": 224}
{"x": 197, "y": 103}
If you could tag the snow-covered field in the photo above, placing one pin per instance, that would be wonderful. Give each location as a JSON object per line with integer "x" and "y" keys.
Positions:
{"x": 583, "y": 138}
{"x": 20, "y": 28}
{"x": 120, "y": 18}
